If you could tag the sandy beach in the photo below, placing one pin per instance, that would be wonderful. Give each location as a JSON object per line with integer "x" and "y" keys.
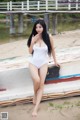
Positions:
{"x": 58, "y": 109}
{"x": 19, "y": 48}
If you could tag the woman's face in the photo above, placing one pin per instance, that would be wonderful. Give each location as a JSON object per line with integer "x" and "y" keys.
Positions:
{"x": 39, "y": 28}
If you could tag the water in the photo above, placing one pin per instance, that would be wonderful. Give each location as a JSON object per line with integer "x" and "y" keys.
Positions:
{"x": 67, "y": 25}
{"x": 63, "y": 25}
{"x": 5, "y": 35}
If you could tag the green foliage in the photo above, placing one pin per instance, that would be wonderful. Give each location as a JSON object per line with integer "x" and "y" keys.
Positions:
{"x": 2, "y": 16}
{"x": 66, "y": 104}
{"x": 78, "y": 103}
{"x": 68, "y": 16}
{"x": 14, "y": 0}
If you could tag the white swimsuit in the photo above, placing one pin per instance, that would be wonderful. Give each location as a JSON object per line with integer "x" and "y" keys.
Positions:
{"x": 40, "y": 55}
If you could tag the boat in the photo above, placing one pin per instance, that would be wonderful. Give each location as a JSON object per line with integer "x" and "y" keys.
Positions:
{"x": 16, "y": 86}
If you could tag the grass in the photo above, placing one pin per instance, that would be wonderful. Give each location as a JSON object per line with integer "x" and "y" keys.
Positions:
{"x": 2, "y": 16}
{"x": 68, "y": 26}
{"x": 78, "y": 103}
{"x": 66, "y": 104}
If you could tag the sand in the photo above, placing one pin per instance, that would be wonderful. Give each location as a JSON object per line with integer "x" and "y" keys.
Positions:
{"x": 59, "y": 109}
{"x": 19, "y": 48}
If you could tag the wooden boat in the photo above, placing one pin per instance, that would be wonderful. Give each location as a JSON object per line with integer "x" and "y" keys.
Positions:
{"x": 16, "y": 85}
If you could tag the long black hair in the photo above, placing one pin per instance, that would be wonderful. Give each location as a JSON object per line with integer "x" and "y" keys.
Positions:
{"x": 45, "y": 35}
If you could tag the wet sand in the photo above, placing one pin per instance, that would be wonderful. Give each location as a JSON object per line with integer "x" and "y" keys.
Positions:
{"x": 59, "y": 109}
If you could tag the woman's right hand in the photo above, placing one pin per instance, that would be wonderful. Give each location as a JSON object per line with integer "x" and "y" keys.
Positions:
{"x": 35, "y": 38}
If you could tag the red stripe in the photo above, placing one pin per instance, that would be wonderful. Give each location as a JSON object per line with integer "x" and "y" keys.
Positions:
{"x": 2, "y": 89}
{"x": 62, "y": 80}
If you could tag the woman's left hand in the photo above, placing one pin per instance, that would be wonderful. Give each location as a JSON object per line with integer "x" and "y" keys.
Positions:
{"x": 56, "y": 64}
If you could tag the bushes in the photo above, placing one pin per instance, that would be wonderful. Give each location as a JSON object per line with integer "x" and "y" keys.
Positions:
{"x": 2, "y": 16}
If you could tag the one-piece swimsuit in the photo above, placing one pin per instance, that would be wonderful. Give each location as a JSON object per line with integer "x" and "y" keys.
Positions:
{"x": 39, "y": 56}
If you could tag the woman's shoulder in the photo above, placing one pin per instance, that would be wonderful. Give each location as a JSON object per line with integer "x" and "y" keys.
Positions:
{"x": 50, "y": 36}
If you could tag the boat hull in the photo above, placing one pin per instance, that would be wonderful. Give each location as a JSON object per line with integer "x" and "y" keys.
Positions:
{"x": 16, "y": 83}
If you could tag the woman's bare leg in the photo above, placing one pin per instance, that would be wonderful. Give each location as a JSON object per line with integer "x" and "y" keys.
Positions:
{"x": 42, "y": 73}
{"x": 36, "y": 80}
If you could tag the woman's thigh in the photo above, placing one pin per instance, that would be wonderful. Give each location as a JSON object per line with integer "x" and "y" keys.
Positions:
{"x": 34, "y": 73}
{"x": 43, "y": 73}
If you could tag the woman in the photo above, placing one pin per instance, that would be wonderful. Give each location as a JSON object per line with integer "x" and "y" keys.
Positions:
{"x": 40, "y": 45}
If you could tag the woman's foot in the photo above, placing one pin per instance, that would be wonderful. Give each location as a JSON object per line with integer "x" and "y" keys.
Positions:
{"x": 34, "y": 99}
{"x": 34, "y": 114}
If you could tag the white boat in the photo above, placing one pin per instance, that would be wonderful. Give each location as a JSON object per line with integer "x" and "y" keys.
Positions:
{"x": 16, "y": 84}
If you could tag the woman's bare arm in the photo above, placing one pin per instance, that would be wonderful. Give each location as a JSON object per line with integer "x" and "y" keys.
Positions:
{"x": 53, "y": 51}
